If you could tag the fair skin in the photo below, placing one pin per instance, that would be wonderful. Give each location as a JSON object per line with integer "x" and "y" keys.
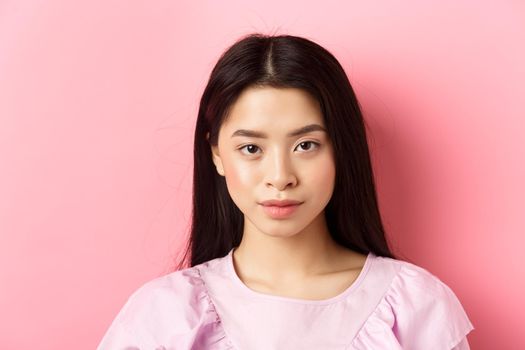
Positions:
{"x": 293, "y": 256}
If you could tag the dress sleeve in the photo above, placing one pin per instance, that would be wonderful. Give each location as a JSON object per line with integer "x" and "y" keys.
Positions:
{"x": 167, "y": 313}
{"x": 463, "y": 345}
{"x": 418, "y": 311}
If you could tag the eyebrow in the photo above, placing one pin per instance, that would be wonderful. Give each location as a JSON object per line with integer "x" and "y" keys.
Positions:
{"x": 304, "y": 130}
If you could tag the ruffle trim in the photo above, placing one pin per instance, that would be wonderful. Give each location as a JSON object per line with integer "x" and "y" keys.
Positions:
{"x": 377, "y": 332}
{"x": 417, "y": 311}
{"x": 209, "y": 334}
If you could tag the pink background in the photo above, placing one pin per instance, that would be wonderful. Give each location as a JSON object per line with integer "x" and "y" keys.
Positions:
{"x": 98, "y": 101}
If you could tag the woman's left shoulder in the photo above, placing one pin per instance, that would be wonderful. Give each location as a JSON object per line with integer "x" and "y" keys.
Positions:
{"x": 413, "y": 278}
{"x": 416, "y": 285}
{"x": 418, "y": 310}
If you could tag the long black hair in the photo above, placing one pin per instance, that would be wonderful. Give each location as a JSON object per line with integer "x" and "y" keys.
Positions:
{"x": 256, "y": 59}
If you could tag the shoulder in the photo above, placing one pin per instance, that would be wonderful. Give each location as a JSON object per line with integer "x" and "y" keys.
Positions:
{"x": 412, "y": 281}
{"x": 173, "y": 306}
{"x": 415, "y": 280}
{"x": 418, "y": 309}
{"x": 416, "y": 292}
{"x": 170, "y": 294}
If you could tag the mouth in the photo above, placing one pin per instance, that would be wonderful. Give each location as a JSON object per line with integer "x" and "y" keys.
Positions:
{"x": 280, "y": 203}
{"x": 280, "y": 211}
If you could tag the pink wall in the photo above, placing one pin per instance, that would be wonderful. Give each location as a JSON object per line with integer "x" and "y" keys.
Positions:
{"x": 98, "y": 101}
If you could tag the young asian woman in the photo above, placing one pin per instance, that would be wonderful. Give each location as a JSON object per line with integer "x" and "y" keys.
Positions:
{"x": 287, "y": 249}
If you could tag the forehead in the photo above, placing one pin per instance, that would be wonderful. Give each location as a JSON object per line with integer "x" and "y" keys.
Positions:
{"x": 276, "y": 107}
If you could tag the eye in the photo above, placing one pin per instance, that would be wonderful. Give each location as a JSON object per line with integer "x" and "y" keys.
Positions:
{"x": 253, "y": 147}
{"x": 249, "y": 147}
{"x": 309, "y": 143}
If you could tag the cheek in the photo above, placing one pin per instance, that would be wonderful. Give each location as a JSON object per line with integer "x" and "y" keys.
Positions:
{"x": 323, "y": 180}
{"x": 239, "y": 174}
{"x": 240, "y": 179}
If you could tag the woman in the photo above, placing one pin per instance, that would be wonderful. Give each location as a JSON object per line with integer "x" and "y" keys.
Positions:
{"x": 288, "y": 250}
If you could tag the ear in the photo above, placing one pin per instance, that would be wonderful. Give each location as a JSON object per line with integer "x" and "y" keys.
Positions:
{"x": 216, "y": 157}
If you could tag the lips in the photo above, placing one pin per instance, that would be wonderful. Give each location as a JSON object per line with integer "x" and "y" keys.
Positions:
{"x": 280, "y": 209}
{"x": 280, "y": 203}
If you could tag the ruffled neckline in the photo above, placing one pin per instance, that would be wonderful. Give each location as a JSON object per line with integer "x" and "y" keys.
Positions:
{"x": 392, "y": 304}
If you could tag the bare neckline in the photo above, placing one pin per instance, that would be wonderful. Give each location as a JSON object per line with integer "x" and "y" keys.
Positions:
{"x": 350, "y": 289}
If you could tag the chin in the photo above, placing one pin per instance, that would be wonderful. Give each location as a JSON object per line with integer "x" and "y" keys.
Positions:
{"x": 282, "y": 228}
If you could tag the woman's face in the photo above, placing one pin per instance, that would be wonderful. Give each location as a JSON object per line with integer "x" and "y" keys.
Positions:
{"x": 274, "y": 164}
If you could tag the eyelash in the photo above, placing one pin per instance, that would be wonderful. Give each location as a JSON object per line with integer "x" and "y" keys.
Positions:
{"x": 317, "y": 144}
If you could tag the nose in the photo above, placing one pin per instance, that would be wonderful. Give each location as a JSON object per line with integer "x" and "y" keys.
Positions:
{"x": 280, "y": 172}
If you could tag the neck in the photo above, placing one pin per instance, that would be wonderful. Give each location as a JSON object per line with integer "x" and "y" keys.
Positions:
{"x": 285, "y": 255}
